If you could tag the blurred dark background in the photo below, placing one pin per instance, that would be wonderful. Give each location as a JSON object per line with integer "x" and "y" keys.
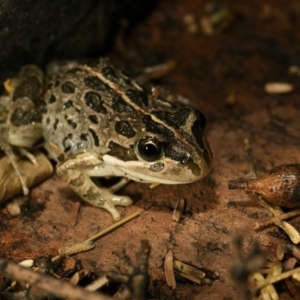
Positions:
{"x": 39, "y": 31}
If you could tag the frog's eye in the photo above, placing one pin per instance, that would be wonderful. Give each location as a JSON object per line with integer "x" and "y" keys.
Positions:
{"x": 202, "y": 120}
{"x": 148, "y": 148}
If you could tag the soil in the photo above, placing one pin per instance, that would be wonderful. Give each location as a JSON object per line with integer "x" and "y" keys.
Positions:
{"x": 224, "y": 75}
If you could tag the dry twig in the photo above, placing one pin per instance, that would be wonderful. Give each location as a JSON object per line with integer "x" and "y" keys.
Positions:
{"x": 50, "y": 285}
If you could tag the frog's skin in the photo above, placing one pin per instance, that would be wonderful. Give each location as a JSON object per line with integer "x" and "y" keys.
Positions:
{"x": 95, "y": 121}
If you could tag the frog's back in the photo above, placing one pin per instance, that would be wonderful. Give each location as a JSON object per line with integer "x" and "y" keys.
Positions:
{"x": 86, "y": 104}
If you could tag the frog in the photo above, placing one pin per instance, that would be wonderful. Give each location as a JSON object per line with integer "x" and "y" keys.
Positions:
{"x": 96, "y": 121}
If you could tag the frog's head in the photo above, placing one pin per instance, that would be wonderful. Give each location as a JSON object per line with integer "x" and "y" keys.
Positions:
{"x": 168, "y": 147}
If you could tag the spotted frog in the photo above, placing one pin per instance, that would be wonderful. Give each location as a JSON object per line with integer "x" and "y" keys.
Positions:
{"x": 97, "y": 122}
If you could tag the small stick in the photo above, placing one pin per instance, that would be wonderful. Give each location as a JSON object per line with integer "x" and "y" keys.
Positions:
{"x": 278, "y": 218}
{"x": 103, "y": 232}
{"x": 112, "y": 227}
{"x": 51, "y": 285}
{"x": 276, "y": 278}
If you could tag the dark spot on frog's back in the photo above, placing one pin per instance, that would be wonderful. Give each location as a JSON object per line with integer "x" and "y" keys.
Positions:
{"x": 93, "y": 82}
{"x": 84, "y": 136}
{"x": 52, "y": 99}
{"x": 66, "y": 138}
{"x": 94, "y": 101}
{"x": 55, "y": 123}
{"x": 139, "y": 97}
{"x": 110, "y": 74}
{"x": 65, "y": 142}
{"x": 176, "y": 120}
{"x": 155, "y": 127}
{"x": 125, "y": 154}
{"x": 68, "y": 104}
{"x": 95, "y": 137}
{"x": 72, "y": 123}
{"x": 68, "y": 87}
{"x": 120, "y": 106}
{"x": 125, "y": 129}
{"x": 94, "y": 119}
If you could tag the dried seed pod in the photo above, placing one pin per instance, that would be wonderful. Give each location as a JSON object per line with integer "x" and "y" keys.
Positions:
{"x": 279, "y": 186}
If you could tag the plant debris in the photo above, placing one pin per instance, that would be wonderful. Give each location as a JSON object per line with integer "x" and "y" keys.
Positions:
{"x": 44, "y": 284}
{"x": 279, "y": 186}
{"x": 169, "y": 270}
{"x": 179, "y": 209}
{"x": 278, "y": 88}
{"x": 32, "y": 173}
{"x": 195, "y": 275}
{"x": 218, "y": 18}
{"x": 89, "y": 243}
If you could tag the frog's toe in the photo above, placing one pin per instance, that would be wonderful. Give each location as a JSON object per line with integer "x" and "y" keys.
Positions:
{"x": 122, "y": 200}
{"x": 115, "y": 214}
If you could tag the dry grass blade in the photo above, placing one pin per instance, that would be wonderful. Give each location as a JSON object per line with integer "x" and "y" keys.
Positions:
{"x": 283, "y": 216}
{"x": 89, "y": 243}
{"x": 97, "y": 284}
{"x": 114, "y": 226}
{"x": 74, "y": 213}
{"x": 76, "y": 248}
{"x": 277, "y": 211}
{"x": 268, "y": 292}
{"x": 169, "y": 270}
{"x": 78, "y": 276}
{"x": 188, "y": 270}
{"x": 280, "y": 251}
{"x": 178, "y": 210}
{"x": 276, "y": 278}
{"x": 290, "y": 231}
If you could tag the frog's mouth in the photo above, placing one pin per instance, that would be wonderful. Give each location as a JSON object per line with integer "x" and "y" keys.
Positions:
{"x": 138, "y": 171}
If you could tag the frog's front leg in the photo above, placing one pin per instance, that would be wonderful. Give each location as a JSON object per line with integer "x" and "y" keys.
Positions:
{"x": 77, "y": 171}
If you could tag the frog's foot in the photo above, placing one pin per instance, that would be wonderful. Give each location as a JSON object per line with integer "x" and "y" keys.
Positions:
{"x": 77, "y": 171}
{"x": 109, "y": 203}
{"x": 101, "y": 197}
